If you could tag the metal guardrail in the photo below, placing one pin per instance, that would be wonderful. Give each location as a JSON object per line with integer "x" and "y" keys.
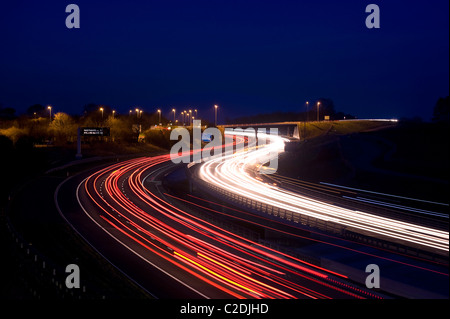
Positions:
{"x": 377, "y": 210}
{"x": 48, "y": 277}
{"x": 308, "y": 222}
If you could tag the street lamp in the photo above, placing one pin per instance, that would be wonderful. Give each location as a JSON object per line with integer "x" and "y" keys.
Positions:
{"x": 50, "y": 112}
{"x": 114, "y": 112}
{"x": 318, "y": 104}
{"x": 215, "y": 115}
{"x": 159, "y": 116}
{"x": 195, "y": 112}
{"x": 306, "y": 120}
{"x": 131, "y": 112}
{"x": 173, "y": 110}
{"x": 101, "y": 109}
{"x": 137, "y": 113}
{"x": 307, "y": 104}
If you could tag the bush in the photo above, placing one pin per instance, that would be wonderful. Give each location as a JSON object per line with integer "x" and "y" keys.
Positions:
{"x": 13, "y": 133}
{"x": 160, "y": 138}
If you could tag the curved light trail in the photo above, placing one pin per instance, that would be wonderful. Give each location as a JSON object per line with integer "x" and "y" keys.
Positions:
{"x": 129, "y": 204}
{"x": 232, "y": 173}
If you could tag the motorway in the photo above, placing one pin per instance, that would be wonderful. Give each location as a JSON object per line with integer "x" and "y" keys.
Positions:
{"x": 124, "y": 211}
{"x": 192, "y": 258}
{"x": 235, "y": 173}
{"x": 171, "y": 252}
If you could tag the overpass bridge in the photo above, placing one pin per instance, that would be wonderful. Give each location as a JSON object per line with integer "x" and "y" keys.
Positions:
{"x": 288, "y": 129}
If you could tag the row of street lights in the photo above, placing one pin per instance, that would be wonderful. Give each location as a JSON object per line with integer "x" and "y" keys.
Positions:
{"x": 101, "y": 109}
{"x": 138, "y": 112}
{"x": 113, "y": 112}
{"x": 307, "y": 104}
{"x": 187, "y": 115}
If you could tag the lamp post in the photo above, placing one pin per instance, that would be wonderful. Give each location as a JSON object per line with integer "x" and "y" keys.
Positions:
{"x": 101, "y": 110}
{"x": 173, "y": 110}
{"x": 159, "y": 116}
{"x": 306, "y": 120}
{"x": 50, "y": 112}
{"x": 215, "y": 115}
{"x": 306, "y": 105}
{"x": 195, "y": 112}
{"x": 114, "y": 112}
{"x": 137, "y": 113}
{"x": 318, "y": 104}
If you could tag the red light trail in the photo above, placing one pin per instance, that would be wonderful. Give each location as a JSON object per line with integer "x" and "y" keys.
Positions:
{"x": 233, "y": 264}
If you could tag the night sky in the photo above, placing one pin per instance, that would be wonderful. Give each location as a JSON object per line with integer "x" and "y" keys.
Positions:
{"x": 246, "y": 56}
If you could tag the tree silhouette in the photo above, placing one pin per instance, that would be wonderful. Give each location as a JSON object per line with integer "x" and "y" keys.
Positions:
{"x": 36, "y": 109}
{"x": 7, "y": 113}
{"x": 442, "y": 110}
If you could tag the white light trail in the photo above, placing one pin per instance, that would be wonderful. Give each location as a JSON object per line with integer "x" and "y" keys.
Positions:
{"x": 231, "y": 172}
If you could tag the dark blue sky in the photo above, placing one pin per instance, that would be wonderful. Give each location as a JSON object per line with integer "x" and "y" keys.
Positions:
{"x": 246, "y": 56}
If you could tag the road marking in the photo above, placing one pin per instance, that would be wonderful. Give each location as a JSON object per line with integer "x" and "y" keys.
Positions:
{"x": 396, "y": 196}
{"x": 411, "y": 209}
{"x": 130, "y": 249}
{"x": 55, "y": 197}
